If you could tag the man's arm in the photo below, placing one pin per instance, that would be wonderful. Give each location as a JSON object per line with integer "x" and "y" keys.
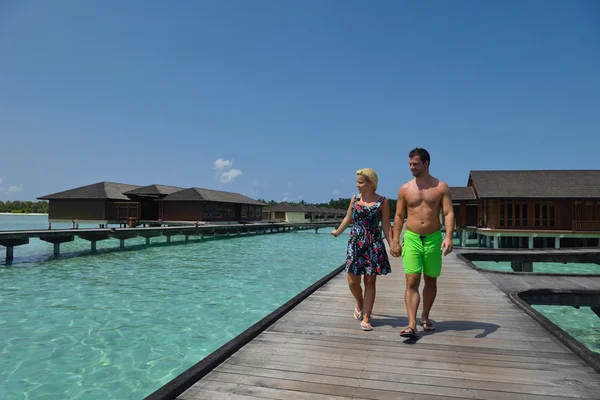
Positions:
{"x": 448, "y": 211}
{"x": 399, "y": 216}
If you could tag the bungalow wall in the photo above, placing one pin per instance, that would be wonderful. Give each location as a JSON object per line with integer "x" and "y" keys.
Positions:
{"x": 209, "y": 211}
{"x": 182, "y": 210}
{"x": 82, "y": 210}
{"x": 466, "y": 213}
{"x": 542, "y": 214}
{"x": 297, "y": 217}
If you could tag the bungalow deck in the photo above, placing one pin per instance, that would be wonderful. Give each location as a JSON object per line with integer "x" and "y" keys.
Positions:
{"x": 485, "y": 347}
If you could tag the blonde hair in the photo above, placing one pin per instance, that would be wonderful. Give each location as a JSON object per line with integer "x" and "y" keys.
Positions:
{"x": 370, "y": 175}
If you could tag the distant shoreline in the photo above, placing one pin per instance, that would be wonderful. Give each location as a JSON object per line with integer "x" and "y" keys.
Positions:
{"x": 5, "y": 213}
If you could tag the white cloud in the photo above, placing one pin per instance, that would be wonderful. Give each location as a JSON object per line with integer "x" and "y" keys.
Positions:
{"x": 336, "y": 192}
{"x": 229, "y": 176}
{"x": 220, "y": 164}
{"x": 11, "y": 188}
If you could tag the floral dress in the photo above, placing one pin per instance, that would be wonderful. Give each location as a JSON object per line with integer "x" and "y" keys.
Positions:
{"x": 366, "y": 253}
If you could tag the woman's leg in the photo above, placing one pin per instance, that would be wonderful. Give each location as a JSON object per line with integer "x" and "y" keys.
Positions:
{"x": 369, "y": 300}
{"x": 356, "y": 290}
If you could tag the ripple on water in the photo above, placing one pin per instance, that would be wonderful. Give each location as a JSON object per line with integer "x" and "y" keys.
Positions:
{"x": 120, "y": 324}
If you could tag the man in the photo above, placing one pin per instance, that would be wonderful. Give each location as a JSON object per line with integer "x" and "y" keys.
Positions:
{"x": 423, "y": 198}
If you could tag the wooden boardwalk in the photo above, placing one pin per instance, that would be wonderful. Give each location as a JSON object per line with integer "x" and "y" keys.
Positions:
{"x": 484, "y": 347}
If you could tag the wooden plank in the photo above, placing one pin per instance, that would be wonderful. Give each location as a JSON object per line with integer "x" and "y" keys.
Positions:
{"x": 484, "y": 347}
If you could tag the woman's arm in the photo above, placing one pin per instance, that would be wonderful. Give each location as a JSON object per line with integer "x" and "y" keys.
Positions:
{"x": 347, "y": 220}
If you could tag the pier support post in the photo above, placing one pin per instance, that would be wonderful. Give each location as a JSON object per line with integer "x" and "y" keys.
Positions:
{"x": 94, "y": 238}
{"x": 147, "y": 240}
{"x": 531, "y": 242}
{"x": 557, "y": 243}
{"x": 121, "y": 243}
{"x": 497, "y": 241}
{"x": 10, "y": 246}
{"x": 168, "y": 239}
{"x": 56, "y": 241}
{"x": 187, "y": 238}
{"x": 521, "y": 266}
{"x": 488, "y": 242}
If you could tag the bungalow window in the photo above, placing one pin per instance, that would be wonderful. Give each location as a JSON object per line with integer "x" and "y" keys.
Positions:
{"x": 509, "y": 213}
{"x": 218, "y": 210}
{"x": 244, "y": 211}
{"x": 228, "y": 211}
{"x": 208, "y": 211}
{"x": 517, "y": 214}
{"x": 502, "y": 209}
{"x": 544, "y": 213}
{"x": 524, "y": 208}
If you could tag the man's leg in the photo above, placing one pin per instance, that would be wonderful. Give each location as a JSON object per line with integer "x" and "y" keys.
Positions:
{"x": 429, "y": 293}
{"x": 356, "y": 290}
{"x": 412, "y": 299}
{"x": 412, "y": 260}
{"x": 432, "y": 268}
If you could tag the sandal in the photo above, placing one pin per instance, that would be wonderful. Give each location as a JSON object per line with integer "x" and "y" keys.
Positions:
{"x": 366, "y": 326}
{"x": 358, "y": 314}
{"x": 409, "y": 332}
{"x": 427, "y": 326}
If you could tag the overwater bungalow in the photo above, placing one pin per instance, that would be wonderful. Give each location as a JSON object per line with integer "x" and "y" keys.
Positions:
{"x": 99, "y": 203}
{"x": 148, "y": 197}
{"x": 532, "y": 208}
{"x": 196, "y": 204}
{"x": 117, "y": 203}
{"x": 299, "y": 213}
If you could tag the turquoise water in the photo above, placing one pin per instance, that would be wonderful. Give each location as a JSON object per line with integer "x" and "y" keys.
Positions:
{"x": 583, "y": 324}
{"x": 544, "y": 267}
{"x": 120, "y": 324}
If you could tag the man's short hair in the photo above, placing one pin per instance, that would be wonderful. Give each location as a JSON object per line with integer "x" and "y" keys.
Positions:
{"x": 422, "y": 153}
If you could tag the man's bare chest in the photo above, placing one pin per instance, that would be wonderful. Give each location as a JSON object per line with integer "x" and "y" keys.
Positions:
{"x": 428, "y": 197}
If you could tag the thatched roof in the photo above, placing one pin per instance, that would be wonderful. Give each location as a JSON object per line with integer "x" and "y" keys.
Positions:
{"x": 96, "y": 191}
{"x": 462, "y": 193}
{"x": 537, "y": 184}
{"x": 199, "y": 194}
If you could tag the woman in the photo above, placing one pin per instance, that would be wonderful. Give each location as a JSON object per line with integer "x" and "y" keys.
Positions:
{"x": 366, "y": 253}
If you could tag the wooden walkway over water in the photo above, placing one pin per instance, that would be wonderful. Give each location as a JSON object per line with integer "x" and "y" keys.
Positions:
{"x": 484, "y": 347}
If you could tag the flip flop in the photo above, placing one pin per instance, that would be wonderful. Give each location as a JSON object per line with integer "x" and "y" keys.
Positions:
{"x": 366, "y": 326}
{"x": 409, "y": 332}
{"x": 427, "y": 326}
{"x": 358, "y": 314}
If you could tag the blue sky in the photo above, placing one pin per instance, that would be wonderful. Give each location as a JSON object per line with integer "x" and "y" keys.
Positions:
{"x": 287, "y": 99}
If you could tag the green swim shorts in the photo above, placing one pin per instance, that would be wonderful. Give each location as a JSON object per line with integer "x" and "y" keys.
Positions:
{"x": 422, "y": 253}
